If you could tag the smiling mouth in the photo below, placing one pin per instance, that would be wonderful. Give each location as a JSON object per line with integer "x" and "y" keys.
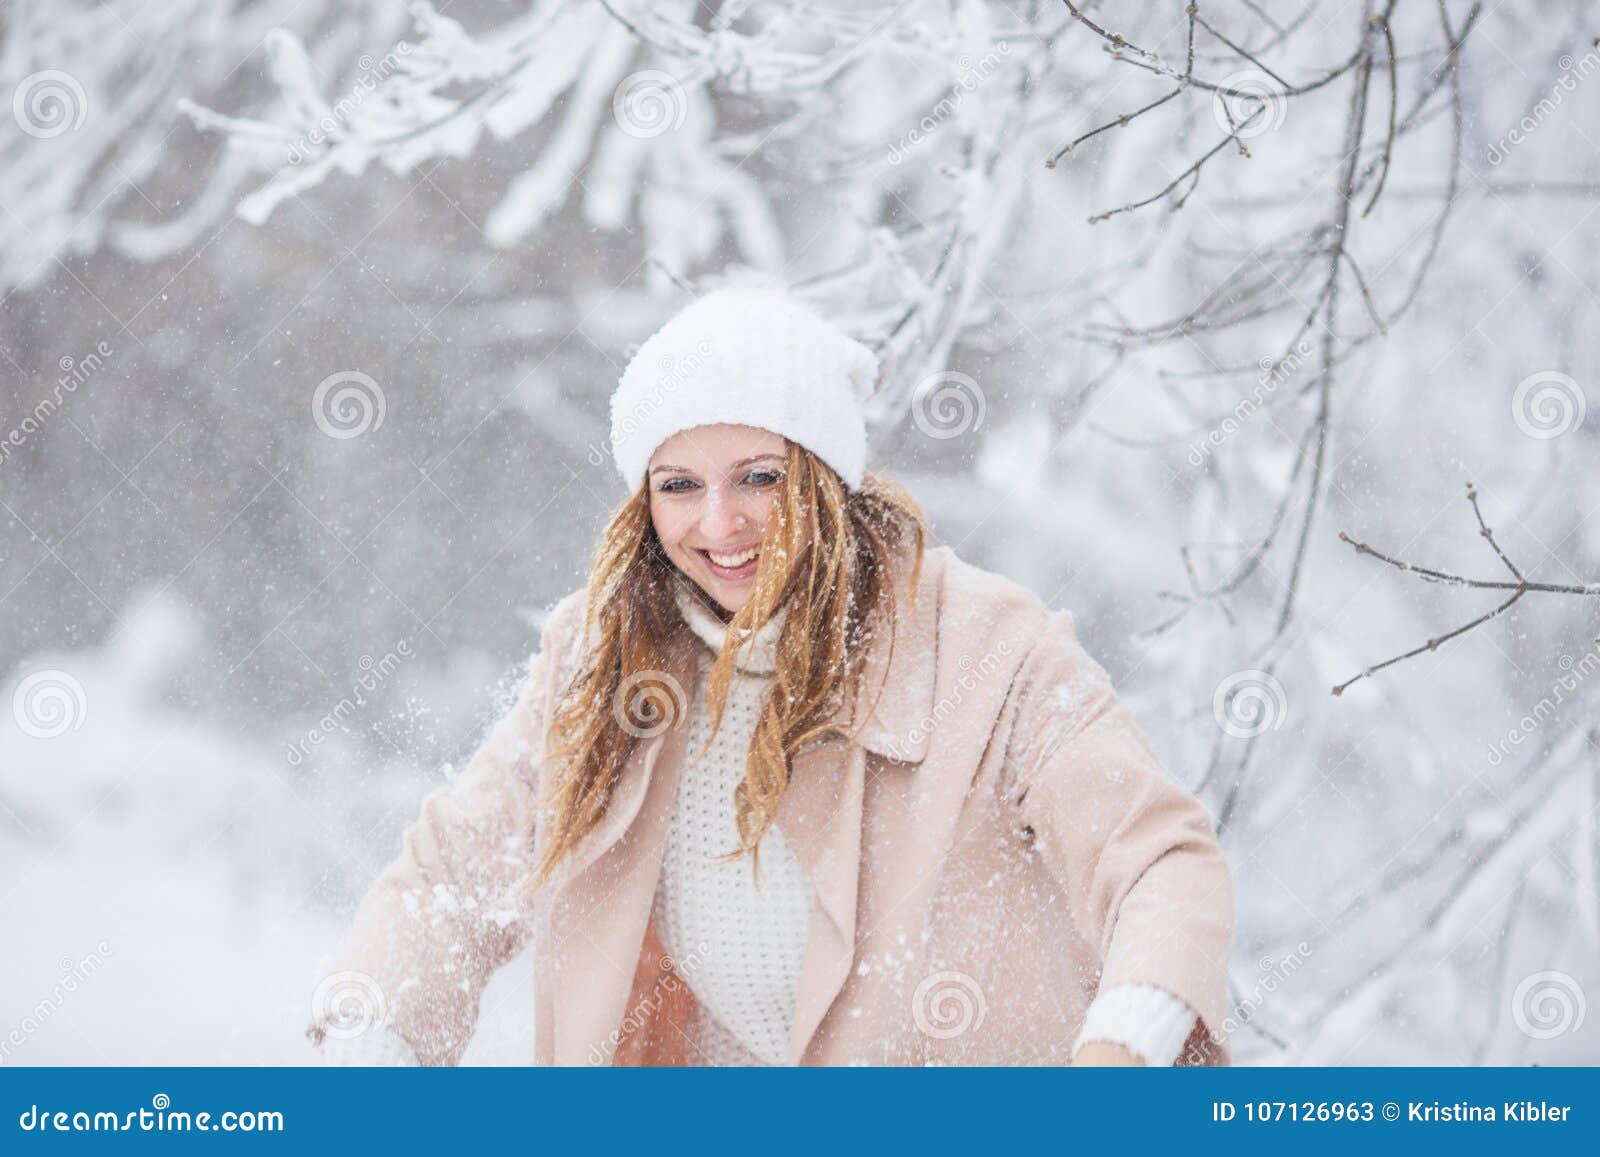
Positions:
{"x": 734, "y": 565}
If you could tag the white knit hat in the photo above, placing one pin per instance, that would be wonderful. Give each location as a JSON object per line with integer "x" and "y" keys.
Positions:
{"x": 752, "y": 357}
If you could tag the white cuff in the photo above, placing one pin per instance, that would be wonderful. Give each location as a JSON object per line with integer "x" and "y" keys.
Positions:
{"x": 378, "y": 1047}
{"x": 1149, "y": 1021}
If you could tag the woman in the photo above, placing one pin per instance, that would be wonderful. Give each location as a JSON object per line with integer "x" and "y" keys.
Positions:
{"x": 961, "y": 849}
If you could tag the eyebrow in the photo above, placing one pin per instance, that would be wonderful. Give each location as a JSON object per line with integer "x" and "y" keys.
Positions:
{"x": 733, "y": 466}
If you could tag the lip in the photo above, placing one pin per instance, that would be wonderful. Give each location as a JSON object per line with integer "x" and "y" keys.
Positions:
{"x": 732, "y": 574}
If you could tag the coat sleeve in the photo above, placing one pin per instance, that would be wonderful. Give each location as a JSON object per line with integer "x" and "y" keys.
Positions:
{"x": 440, "y": 920}
{"x": 1135, "y": 855}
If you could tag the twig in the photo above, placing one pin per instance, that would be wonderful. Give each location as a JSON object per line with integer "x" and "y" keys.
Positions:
{"x": 1394, "y": 103}
{"x": 1242, "y": 52}
{"x": 1522, "y": 586}
{"x": 1121, "y": 121}
{"x": 1193, "y": 170}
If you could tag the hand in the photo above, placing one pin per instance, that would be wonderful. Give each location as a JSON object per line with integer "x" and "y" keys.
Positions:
{"x": 1105, "y": 1053}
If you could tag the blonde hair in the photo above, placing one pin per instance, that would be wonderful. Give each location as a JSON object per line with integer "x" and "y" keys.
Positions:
{"x": 828, "y": 556}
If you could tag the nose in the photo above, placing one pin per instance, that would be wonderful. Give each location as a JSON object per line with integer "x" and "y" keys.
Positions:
{"x": 724, "y": 517}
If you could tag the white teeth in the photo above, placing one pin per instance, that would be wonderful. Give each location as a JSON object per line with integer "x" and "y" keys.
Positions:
{"x": 733, "y": 561}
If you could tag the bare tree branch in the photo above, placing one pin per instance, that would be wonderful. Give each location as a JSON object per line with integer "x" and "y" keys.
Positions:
{"x": 1522, "y": 586}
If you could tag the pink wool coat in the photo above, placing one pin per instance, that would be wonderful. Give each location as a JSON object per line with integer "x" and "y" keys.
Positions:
{"x": 991, "y": 843}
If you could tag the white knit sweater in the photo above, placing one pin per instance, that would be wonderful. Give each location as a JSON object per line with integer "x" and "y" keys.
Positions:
{"x": 740, "y": 948}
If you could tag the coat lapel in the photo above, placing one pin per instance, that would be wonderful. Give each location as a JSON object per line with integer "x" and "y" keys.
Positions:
{"x": 820, "y": 817}
{"x": 823, "y": 808}
{"x": 603, "y": 891}
{"x": 896, "y": 723}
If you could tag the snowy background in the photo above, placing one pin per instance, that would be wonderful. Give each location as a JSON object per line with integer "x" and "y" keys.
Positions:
{"x": 311, "y": 312}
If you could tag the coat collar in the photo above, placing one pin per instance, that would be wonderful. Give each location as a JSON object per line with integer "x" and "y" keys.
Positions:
{"x": 901, "y": 664}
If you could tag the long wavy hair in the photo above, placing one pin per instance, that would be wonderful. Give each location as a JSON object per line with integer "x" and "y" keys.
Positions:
{"x": 828, "y": 558}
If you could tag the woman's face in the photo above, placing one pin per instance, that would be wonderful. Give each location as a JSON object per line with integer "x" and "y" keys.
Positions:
{"x": 711, "y": 491}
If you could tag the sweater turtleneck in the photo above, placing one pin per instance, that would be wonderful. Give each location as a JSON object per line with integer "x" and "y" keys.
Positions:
{"x": 759, "y": 653}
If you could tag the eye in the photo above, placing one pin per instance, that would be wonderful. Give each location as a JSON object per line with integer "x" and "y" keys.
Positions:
{"x": 763, "y": 476}
{"x": 672, "y": 485}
